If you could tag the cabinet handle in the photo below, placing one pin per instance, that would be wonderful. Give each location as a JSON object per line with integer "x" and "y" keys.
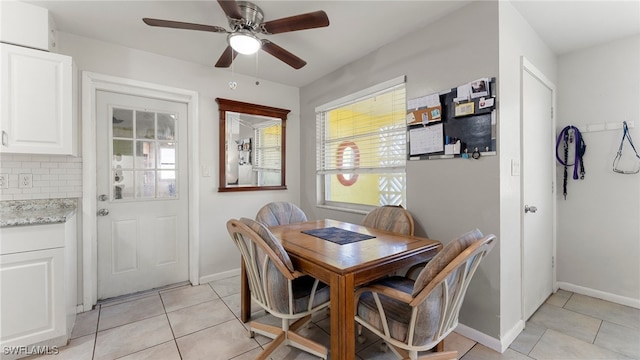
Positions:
{"x": 5, "y": 138}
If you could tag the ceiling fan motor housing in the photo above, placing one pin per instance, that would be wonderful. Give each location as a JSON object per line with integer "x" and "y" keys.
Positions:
{"x": 252, "y": 17}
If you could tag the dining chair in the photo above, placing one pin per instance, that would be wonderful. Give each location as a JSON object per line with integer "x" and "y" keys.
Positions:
{"x": 412, "y": 316}
{"x": 280, "y": 213}
{"x": 278, "y": 288}
{"x": 393, "y": 218}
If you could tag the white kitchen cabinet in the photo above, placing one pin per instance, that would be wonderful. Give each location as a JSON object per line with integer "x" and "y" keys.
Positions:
{"x": 36, "y": 105}
{"x": 26, "y": 25}
{"x": 38, "y": 284}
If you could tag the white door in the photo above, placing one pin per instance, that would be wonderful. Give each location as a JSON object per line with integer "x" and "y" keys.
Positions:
{"x": 142, "y": 193}
{"x": 537, "y": 184}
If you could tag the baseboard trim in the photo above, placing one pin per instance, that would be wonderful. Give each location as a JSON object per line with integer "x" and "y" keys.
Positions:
{"x": 622, "y": 300}
{"x": 511, "y": 335}
{"x": 477, "y": 336}
{"x": 219, "y": 276}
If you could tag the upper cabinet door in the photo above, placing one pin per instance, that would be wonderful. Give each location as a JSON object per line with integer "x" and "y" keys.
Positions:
{"x": 36, "y": 102}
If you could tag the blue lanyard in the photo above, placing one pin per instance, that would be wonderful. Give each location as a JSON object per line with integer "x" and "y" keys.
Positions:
{"x": 616, "y": 160}
{"x": 566, "y": 137}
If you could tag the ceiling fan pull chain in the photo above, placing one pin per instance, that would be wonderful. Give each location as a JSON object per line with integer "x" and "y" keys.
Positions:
{"x": 232, "y": 84}
{"x": 257, "y": 78}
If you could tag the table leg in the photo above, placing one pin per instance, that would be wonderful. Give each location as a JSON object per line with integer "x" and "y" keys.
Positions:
{"x": 343, "y": 335}
{"x": 245, "y": 294}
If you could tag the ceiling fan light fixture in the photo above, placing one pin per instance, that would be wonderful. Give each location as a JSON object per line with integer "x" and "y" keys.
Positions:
{"x": 244, "y": 42}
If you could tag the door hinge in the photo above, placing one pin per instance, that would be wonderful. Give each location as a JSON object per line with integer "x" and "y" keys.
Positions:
{"x": 552, "y": 113}
{"x": 553, "y": 262}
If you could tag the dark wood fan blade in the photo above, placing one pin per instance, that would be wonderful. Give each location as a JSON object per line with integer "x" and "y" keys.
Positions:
{"x": 282, "y": 54}
{"x": 294, "y": 23}
{"x": 183, "y": 25}
{"x": 226, "y": 58}
{"x": 230, "y": 8}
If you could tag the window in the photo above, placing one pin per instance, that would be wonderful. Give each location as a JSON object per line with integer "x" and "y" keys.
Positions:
{"x": 143, "y": 153}
{"x": 267, "y": 155}
{"x": 361, "y": 148}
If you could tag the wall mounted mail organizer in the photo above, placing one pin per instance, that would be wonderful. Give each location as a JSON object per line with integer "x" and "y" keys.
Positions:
{"x": 460, "y": 122}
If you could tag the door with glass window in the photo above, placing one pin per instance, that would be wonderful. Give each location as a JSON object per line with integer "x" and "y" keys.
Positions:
{"x": 142, "y": 193}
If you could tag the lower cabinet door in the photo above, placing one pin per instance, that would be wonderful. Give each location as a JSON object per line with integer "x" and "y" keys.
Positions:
{"x": 32, "y": 297}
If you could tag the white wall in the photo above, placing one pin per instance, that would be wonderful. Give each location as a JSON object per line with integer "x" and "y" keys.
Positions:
{"x": 598, "y": 228}
{"x": 217, "y": 253}
{"x": 517, "y": 39}
{"x": 446, "y": 197}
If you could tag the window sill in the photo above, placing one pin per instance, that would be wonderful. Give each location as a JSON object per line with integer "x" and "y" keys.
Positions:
{"x": 344, "y": 209}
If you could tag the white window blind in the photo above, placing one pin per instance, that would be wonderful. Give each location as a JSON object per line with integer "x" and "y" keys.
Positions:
{"x": 361, "y": 148}
{"x": 375, "y": 120}
{"x": 267, "y": 148}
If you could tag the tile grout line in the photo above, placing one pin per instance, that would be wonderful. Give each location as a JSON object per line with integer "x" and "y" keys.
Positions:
{"x": 173, "y": 334}
{"x": 95, "y": 338}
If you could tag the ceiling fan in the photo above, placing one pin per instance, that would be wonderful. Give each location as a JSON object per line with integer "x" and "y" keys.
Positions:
{"x": 245, "y": 21}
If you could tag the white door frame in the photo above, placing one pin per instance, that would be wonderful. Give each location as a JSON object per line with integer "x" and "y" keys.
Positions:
{"x": 91, "y": 83}
{"x": 527, "y": 66}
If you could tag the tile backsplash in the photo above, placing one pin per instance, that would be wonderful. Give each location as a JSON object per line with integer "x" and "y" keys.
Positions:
{"x": 52, "y": 176}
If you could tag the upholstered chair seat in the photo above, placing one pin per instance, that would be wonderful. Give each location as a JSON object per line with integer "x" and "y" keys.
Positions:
{"x": 278, "y": 288}
{"x": 413, "y": 316}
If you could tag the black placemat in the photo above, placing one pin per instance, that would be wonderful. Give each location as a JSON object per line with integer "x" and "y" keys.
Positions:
{"x": 337, "y": 235}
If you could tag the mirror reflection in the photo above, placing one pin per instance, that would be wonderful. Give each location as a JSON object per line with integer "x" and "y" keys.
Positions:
{"x": 252, "y": 146}
{"x": 253, "y": 150}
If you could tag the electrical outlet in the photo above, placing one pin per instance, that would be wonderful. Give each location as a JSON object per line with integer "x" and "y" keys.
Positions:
{"x": 4, "y": 181}
{"x": 25, "y": 181}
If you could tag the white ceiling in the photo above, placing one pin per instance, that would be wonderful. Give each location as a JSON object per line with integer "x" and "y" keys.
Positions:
{"x": 356, "y": 28}
{"x": 570, "y": 25}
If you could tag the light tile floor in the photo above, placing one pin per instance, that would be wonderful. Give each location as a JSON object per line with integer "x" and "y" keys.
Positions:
{"x": 202, "y": 322}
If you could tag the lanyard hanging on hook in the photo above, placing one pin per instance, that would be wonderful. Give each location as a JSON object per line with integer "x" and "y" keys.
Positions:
{"x": 568, "y": 135}
{"x": 616, "y": 160}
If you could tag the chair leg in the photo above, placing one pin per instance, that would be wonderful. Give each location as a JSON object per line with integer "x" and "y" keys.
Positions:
{"x": 440, "y": 346}
{"x": 272, "y": 346}
{"x": 445, "y": 355}
{"x": 361, "y": 339}
{"x": 299, "y": 323}
{"x": 287, "y": 335}
{"x": 308, "y": 345}
{"x": 269, "y": 331}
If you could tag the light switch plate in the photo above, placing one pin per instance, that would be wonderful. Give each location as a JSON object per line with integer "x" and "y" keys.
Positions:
{"x": 515, "y": 167}
{"x": 4, "y": 181}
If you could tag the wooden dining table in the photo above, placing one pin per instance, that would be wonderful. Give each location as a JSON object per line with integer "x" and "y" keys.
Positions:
{"x": 344, "y": 267}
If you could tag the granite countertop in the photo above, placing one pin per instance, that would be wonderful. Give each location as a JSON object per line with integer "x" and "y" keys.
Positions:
{"x": 35, "y": 212}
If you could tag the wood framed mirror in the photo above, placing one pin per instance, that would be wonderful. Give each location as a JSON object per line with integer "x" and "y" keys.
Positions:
{"x": 252, "y": 146}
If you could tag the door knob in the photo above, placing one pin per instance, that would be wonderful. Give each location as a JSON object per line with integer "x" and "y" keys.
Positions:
{"x": 103, "y": 197}
{"x": 528, "y": 208}
{"x": 103, "y": 212}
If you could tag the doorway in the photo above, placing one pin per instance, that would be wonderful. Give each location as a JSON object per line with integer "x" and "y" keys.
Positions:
{"x": 538, "y": 174}
{"x": 142, "y": 191}
{"x": 93, "y": 83}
